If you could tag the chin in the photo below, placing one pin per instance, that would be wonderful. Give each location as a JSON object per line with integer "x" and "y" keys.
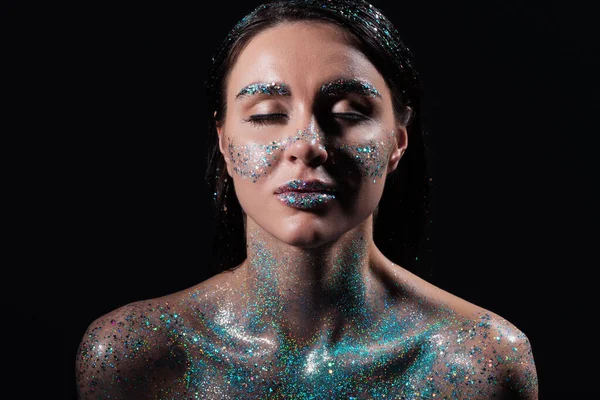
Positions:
{"x": 305, "y": 239}
{"x": 299, "y": 235}
{"x": 307, "y": 244}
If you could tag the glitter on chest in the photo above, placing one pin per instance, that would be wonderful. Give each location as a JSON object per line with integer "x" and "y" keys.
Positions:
{"x": 229, "y": 348}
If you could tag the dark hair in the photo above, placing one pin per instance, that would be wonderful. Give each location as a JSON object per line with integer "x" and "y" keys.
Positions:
{"x": 406, "y": 192}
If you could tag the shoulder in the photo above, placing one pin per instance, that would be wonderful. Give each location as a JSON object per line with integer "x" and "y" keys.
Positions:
{"x": 500, "y": 354}
{"x": 491, "y": 355}
{"x": 126, "y": 351}
{"x": 141, "y": 349}
{"x": 508, "y": 350}
{"x": 479, "y": 354}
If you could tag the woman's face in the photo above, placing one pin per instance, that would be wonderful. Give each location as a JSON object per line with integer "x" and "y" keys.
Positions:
{"x": 309, "y": 133}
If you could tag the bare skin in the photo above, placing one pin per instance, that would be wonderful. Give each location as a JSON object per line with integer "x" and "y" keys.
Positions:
{"x": 316, "y": 310}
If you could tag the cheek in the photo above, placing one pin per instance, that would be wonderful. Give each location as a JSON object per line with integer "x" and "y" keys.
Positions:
{"x": 368, "y": 159}
{"x": 253, "y": 161}
{"x": 248, "y": 194}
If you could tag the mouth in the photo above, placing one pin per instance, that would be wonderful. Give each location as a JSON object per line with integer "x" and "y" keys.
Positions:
{"x": 300, "y": 186}
{"x": 306, "y": 195}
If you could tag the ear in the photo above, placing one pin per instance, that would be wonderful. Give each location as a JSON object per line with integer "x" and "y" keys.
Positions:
{"x": 222, "y": 145}
{"x": 399, "y": 147}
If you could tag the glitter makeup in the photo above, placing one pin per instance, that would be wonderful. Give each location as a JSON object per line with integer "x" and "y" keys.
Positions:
{"x": 254, "y": 161}
{"x": 272, "y": 88}
{"x": 371, "y": 157}
{"x": 331, "y": 321}
{"x": 340, "y": 86}
{"x": 305, "y": 201}
{"x": 305, "y": 195}
{"x": 232, "y": 341}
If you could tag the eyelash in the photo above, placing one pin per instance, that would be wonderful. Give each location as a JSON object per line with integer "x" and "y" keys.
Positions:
{"x": 264, "y": 119}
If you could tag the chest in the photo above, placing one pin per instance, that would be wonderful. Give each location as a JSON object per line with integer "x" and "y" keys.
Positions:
{"x": 254, "y": 367}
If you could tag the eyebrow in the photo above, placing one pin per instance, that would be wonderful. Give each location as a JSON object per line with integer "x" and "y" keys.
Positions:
{"x": 271, "y": 88}
{"x": 333, "y": 88}
{"x": 352, "y": 85}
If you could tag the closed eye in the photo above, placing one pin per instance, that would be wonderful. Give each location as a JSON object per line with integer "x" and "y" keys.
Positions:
{"x": 279, "y": 118}
{"x": 264, "y": 119}
{"x": 353, "y": 117}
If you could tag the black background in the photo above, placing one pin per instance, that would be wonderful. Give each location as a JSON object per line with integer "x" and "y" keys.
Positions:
{"x": 108, "y": 116}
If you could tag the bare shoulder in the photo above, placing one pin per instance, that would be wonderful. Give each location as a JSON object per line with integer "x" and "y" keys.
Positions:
{"x": 475, "y": 353}
{"x": 139, "y": 350}
{"x": 499, "y": 354}
{"x": 128, "y": 351}
{"x": 500, "y": 359}
{"x": 508, "y": 354}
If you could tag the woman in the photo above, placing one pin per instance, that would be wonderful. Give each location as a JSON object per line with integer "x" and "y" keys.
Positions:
{"x": 313, "y": 105}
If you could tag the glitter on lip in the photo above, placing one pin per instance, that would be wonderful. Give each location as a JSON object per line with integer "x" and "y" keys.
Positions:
{"x": 298, "y": 185}
{"x": 306, "y": 200}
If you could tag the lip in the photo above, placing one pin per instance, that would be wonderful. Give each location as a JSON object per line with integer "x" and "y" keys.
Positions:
{"x": 306, "y": 200}
{"x": 301, "y": 186}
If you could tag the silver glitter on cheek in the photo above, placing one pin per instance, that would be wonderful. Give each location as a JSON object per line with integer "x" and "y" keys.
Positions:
{"x": 254, "y": 161}
{"x": 371, "y": 157}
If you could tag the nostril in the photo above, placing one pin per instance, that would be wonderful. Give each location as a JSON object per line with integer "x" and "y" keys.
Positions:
{"x": 312, "y": 153}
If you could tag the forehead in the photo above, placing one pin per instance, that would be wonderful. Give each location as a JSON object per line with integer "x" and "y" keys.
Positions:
{"x": 303, "y": 54}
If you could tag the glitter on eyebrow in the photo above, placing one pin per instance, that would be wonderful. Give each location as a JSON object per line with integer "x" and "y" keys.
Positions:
{"x": 272, "y": 88}
{"x": 350, "y": 86}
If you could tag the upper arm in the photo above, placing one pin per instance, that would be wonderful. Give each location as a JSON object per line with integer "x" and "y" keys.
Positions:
{"x": 125, "y": 354}
{"x": 520, "y": 372}
{"x": 509, "y": 352}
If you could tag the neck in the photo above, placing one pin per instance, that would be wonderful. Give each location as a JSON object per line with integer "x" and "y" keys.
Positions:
{"x": 304, "y": 290}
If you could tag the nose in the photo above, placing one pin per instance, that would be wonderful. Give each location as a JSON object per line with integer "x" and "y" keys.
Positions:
{"x": 307, "y": 146}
